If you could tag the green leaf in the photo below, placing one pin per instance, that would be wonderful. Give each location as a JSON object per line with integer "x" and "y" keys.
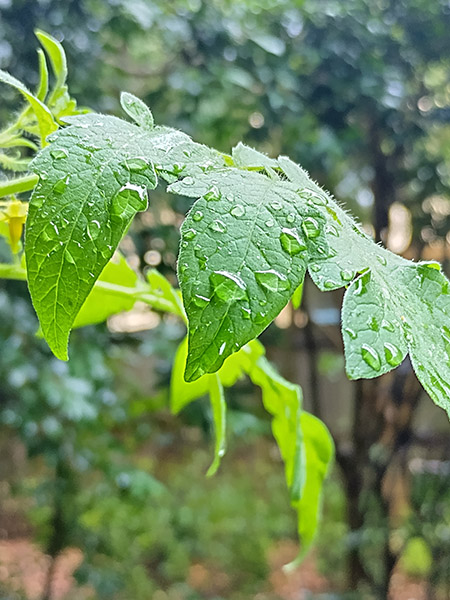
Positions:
{"x": 93, "y": 180}
{"x": 245, "y": 247}
{"x": 42, "y": 90}
{"x": 44, "y": 117}
{"x": 114, "y": 292}
{"x": 393, "y": 307}
{"x": 162, "y": 295}
{"x": 219, "y": 409}
{"x": 316, "y": 456}
{"x": 137, "y": 110}
{"x": 297, "y": 297}
{"x": 58, "y": 61}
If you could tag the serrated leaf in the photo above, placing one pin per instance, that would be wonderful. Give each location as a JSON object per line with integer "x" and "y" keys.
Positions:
{"x": 244, "y": 250}
{"x": 244, "y": 156}
{"x": 392, "y": 308}
{"x": 137, "y": 110}
{"x": 93, "y": 180}
{"x": 44, "y": 117}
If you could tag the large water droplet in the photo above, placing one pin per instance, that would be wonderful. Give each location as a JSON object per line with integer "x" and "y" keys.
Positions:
{"x": 59, "y": 153}
{"x": 129, "y": 195}
{"x": 218, "y": 226}
{"x": 311, "y": 227}
{"x": 228, "y": 286}
{"x": 198, "y": 215}
{"x": 361, "y": 283}
{"x": 371, "y": 357}
{"x": 93, "y": 229}
{"x": 61, "y": 185}
{"x": 200, "y": 301}
{"x": 347, "y": 275}
{"x": 238, "y": 210}
{"x": 393, "y": 354}
{"x": 189, "y": 234}
{"x": 212, "y": 194}
{"x": 272, "y": 280}
{"x": 291, "y": 242}
{"x": 136, "y": 165}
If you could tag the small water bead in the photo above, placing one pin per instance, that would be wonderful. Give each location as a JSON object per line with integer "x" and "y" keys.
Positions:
{"x": 393, "y": 354}
{"x": 347, "y": 275}
{"x": 61, "y": 185}
{"x": 260, "y": 317}
{"x": 68, "y": 257}
{"x": 387, "y": 325}
{"x": 311, "y": 227}
{"x": 290, "y": 218}
{"x": 291, "y": 242}
{"x": 246, "y": 313}
{"x": 353, "y": 335}
{"x": 222, "y": 348}
{"x": 189, "y": 234}
{"x": 329, "y": 284}
{"x": 201, "y": 301}
{"x": 218, "y": 226}
{"x": 382, "y": 260}
{"x": 269, "y": 223}
{"x": 318, "y": 199}
{"x": 276, "y": 205}
{"x": 237, "y": 211}
{"x": 272, "y": 280}
{"x": 332, "y": 230}
{"x": 212, "y": 194}
{"x": 371, "y": 357}
{"x": 197, "y": 216}
{"x": 188, "y": 181}
{"x": 183, "y": 268}
{"x": 59, "y": 153}
{"x": 361, "y": 284}
{"x": 129, "y": 196}
{"x": 314, "y": 268}
{"x": 445, "y": 332}
{"x": 228, "y": 286}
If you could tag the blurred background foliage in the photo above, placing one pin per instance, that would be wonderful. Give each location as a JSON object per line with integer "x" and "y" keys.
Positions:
{"x": 358, "y": 92}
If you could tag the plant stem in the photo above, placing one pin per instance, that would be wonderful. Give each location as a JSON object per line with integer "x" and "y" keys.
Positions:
{"x": 16, "y": 186}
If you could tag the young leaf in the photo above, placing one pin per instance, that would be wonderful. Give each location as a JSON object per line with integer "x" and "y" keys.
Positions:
{"x": 137, "y": 110}
{"x": 219, "y": 409}
{"x": 58, "y": 61}
{"x": 44, "y": 117}
{"x": 42, "y": 90}
{"x": 93, "y": 180}
{"x": 245, "y": 247}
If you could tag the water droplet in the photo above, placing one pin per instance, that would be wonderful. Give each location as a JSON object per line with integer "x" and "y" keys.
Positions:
{"x": 222, "y": 348}
{"x": 129, "y": 196}
{"x": 373, "y": 324}
{"x": 311, "y": 228}
{"x": 260, "y": 317}
{"x": 136, "y": 165}
{"x": 371, "y": 357}
{"x": 318, "y": 199}
{"x": 361, "y": 283}
{"x": 189, "y": 234}
{"x": 347, "y": 275}
{"x": 382, "y": 260}
{"x": 290, "y": 218}
{"x": 183, "y": 268}
{"x": 200, "y": 301}
{"x": 270, "y": 223}
{"x": 393, "y": 354}
{"x": 218, "y": 226}
{"x": 314, "y": 268}
{"x": 212, "y": 194}
{"x": 61, "y": 185}
{"x": 188, "y": 181}
{"x": 291, "y": 242}
{"x": 55, "y": 227}
{"x": 228, "y": 286}
{"x": 68, "y": 257}
{"x": 445, "y": 331}
{"x": 387, "y": 325}
{"x": 351, "y": 333}
{"x": 58, "y": 153}
{"x": 238, "y": 210}
{"x": 332, "y": 230}
{"x": 329, "y": 284}
{"x": 276, "y": 205}
{"x": 93, "y": 229}
{"x": 246, "y": 312}
{"x": 198, "y": 215}
{"x": 272, "y": 280}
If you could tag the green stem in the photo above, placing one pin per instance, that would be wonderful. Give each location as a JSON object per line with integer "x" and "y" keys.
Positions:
{"x": 19, "y": 185}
